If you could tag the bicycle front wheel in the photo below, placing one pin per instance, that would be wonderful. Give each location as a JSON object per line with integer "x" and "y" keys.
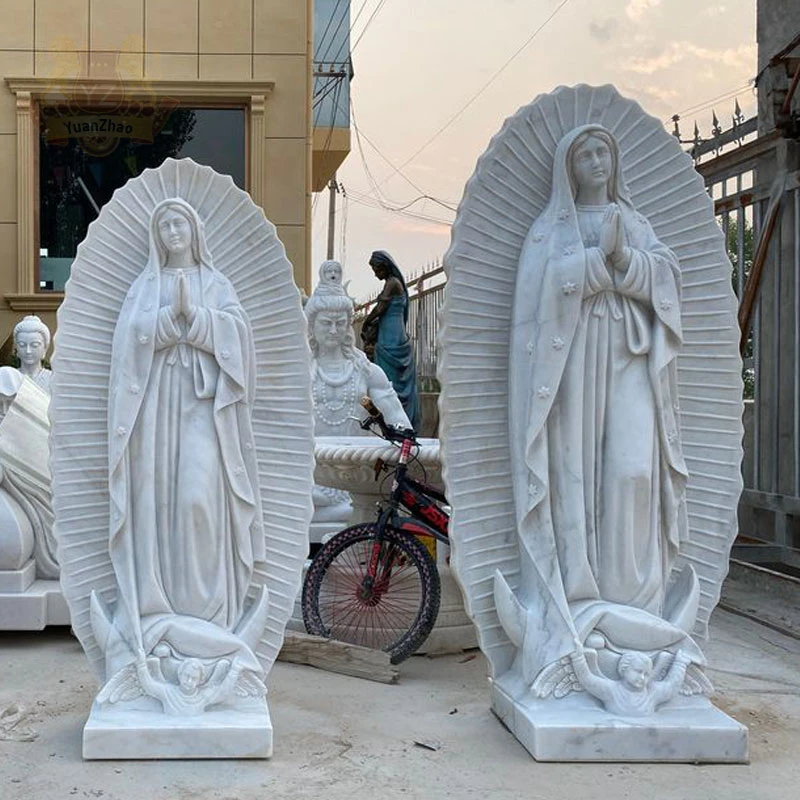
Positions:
{"x": 392, "y": 610}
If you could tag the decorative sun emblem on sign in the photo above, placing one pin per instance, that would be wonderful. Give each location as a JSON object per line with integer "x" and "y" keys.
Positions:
{"x": 99, "y": 117}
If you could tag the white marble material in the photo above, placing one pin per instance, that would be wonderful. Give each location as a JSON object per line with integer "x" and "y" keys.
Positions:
{"x": 576, "y": 729}
{"x": 14, "y": 581}
{"x": 183, "y": 509}
{"x": 341, "y": 375}
{"x": 26, "y": 508}
{"x": 30, "y": 594}
{"x": 219, "y": 733}
{"x": 38, "y": 605}
{"x": 573, "y": 483}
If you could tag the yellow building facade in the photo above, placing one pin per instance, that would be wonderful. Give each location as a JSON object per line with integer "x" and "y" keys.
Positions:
{"x": 94, "y": 91}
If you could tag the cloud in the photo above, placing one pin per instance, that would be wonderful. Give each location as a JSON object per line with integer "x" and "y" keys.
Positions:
{"x": 636, "y": 9}
{"x": 602, "y": 31}
{"x": 742, "y": 57}
{"x": 657, "y": 94}
{"x": 418, "y": 227}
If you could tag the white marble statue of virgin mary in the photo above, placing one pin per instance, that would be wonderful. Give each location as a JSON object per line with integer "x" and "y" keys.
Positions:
{"x": 599, "y": 478}
{"x": 186, "y": 525}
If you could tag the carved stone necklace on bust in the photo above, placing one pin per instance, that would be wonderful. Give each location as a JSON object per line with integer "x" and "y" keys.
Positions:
{"x": 325, "y": 404}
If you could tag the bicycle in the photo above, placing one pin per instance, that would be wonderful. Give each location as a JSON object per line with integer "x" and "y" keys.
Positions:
{"x": 376, "y": 584}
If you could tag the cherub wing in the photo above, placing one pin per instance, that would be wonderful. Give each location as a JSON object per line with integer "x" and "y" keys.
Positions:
{"x": 246, "y": 249}
{"x": 121, "y": 687}
{"x": 559, "y": 679}
{"x": 556, "y": 680}
{"x": 696, "y": 682}
{"x": 508, "y": 190}
{"x": 249, "y": 685}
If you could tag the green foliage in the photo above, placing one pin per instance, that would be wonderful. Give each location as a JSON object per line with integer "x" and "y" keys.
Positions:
{"x": 748, "y": 251}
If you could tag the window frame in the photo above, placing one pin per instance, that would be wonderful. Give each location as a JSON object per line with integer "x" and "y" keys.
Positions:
{"x": 34, "y": 93}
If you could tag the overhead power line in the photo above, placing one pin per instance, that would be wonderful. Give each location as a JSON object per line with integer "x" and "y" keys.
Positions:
{"x": 375, "y": 190}
{"x": 480, "y": 91}
{"x": 729, "y": 95}
{"x": 320, "y": 54}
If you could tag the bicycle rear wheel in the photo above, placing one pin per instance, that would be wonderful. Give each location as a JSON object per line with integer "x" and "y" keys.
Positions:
{"x": 394, "y": 612}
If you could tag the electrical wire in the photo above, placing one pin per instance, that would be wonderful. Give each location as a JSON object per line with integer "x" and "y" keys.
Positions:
{"x": 374, "y": 14}
{"x": 319, "y": 56}
{"x": 375, "y": 186}
{"x": 480, "y": 91}
{"x": 343, "y": 227}
{"x": 729, "y": 95}
{"x": 370, "y": 202}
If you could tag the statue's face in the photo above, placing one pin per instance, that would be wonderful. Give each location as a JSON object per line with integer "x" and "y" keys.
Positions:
{"x": 189, "y": 679}
{"x": 330, "y": 327}
{"x": 175, "y": 231}
{"x": 592, "y": 163}
{"x": 332, "y": 273}
{"x": 30, "y": 348}
{"x": 638, "y": 675}
{"x": 380, "y": 270}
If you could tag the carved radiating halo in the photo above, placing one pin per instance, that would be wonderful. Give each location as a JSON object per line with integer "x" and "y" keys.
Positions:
{"x": 508, "y": 190}
{"x": 246, "y": 249}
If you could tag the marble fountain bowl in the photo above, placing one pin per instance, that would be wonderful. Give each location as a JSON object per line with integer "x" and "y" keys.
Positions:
{"x": 348, "y": 463}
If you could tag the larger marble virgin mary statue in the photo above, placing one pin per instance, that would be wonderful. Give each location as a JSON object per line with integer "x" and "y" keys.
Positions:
{"x": 598, "y": 470}
{"x": 573, "y": 491}
{"x": 197, "y": 538}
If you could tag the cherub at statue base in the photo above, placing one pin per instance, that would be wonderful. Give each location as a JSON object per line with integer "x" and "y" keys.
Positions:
{"x": 576, "y": 728}
{"x": 242, "y": 729}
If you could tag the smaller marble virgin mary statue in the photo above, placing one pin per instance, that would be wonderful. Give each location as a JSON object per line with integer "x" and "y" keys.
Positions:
{"x": 186, "y": 524}
{"x": 24, "y": 451}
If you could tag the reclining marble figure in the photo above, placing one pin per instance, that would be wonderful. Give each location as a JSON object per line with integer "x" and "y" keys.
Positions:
{"x": 26, "y": 509}
{"x": 207, "y": 478}
{"x": 590, "y": 557}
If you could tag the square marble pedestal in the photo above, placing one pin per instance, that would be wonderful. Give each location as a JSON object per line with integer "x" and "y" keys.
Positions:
{"x": 28, "y": 603}
{"x": 241, "y": 732}
{"x": 575, "y": 728}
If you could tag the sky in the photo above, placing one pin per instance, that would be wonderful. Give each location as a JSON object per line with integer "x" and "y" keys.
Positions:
{"x": 420, "y": 62}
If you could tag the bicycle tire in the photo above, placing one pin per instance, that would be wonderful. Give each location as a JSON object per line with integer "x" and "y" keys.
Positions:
{"x": 396, "y": 620}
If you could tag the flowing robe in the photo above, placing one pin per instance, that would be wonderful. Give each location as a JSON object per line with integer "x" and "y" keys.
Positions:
{"x": 394, "y": 354}
{"x": 186, "y": 525}
{"x": 598, "y": 473}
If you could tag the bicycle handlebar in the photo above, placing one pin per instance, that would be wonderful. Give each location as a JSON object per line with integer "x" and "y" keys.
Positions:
{"x": 387, "y": 431}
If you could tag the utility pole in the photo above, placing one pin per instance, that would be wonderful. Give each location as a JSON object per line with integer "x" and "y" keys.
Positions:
{"x": 331, "y": 214}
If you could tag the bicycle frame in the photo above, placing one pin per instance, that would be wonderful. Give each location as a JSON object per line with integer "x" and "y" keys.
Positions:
{"x": 418, "y": 499}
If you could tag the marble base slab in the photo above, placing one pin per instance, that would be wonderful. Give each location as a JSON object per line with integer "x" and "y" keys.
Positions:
{"x": 686, "y": 730}
{"x": 38, "y": 606}
{"x": 14, "y": 581}
{"x": 218, "y": 733}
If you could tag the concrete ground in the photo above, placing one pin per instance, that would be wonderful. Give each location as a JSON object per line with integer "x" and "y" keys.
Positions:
{"x": 339, "y": 737}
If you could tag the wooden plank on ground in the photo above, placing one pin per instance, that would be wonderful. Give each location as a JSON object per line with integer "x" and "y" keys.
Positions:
{"x": 335, "y": 656}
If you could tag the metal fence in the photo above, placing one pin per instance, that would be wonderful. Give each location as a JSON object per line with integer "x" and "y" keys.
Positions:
{"x": 426, "y": 294}
{"x": 758, "y": 207}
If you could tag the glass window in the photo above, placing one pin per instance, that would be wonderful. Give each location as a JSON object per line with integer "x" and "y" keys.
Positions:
{"x": 85, "y": 157}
